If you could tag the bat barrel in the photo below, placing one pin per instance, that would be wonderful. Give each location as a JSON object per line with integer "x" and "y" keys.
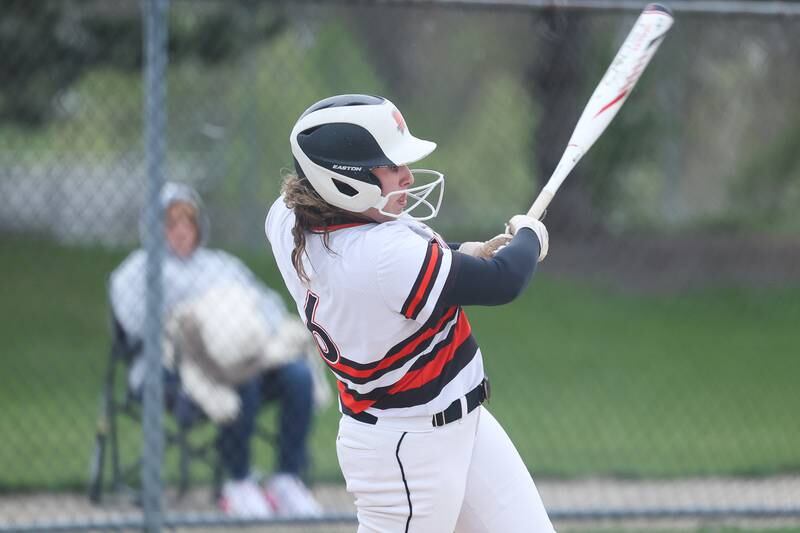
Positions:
{"x": 612, "y": 91}
{"x": 658, "y": 7}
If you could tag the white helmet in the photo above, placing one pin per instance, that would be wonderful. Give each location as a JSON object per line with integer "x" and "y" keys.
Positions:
{"x": 337, "y": 141}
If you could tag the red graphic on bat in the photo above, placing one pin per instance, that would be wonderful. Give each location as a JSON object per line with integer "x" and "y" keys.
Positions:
{"x": 401, "y": 123}
{"x": 612, "y": 102}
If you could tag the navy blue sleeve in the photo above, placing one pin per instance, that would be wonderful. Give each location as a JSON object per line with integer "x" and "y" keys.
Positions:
{"x": 495, "y": 281}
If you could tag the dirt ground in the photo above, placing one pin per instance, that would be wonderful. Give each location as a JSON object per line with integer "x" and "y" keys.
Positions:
{"x": 574, "y": 505}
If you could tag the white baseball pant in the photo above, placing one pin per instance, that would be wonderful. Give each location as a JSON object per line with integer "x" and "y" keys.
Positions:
{"x": 466, "y": 476}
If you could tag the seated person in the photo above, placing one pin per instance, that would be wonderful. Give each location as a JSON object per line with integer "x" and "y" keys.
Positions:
{"x": 229, "y": 345}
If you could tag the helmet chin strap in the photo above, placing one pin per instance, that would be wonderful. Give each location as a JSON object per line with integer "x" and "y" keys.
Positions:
{"x": 420, "y": 195}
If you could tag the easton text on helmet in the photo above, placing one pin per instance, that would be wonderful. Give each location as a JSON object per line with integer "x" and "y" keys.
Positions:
{"x": 346, "y": 167}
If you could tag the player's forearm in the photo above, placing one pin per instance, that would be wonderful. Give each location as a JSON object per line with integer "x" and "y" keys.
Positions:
{"x": 494, "y": 281}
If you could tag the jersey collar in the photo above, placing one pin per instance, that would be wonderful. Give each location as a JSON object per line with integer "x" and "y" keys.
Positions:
{"x": 335, "y": 227}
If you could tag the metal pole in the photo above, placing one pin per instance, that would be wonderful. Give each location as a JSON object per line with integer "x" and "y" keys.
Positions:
{"x": 155, "y": 61}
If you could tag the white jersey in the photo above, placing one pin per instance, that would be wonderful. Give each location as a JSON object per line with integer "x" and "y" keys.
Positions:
{"x": 372, "y": 305}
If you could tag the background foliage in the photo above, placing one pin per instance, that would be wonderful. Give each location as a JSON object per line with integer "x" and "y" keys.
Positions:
{"x": 658, "y": 340}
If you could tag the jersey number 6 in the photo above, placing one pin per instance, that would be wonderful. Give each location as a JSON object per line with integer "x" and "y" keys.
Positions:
{"x": 327, "y": 348}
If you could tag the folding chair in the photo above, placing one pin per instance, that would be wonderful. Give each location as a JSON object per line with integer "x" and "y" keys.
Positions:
{"x": 118, "y": 400}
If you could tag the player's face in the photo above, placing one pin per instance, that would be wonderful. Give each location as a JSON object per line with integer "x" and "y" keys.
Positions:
{"x": 181, "y": 228}
{"x": 392, "y": 179}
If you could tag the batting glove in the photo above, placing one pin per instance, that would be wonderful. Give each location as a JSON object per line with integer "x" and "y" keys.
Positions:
{"x": 518, "y": 222}
{"x": 485, "y": 250}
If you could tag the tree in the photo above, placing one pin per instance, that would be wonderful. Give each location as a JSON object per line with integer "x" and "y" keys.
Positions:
{"x": 556, "y": 79}
{"x": 46, "y": 46}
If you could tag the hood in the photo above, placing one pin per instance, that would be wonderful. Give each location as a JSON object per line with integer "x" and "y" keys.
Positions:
{"x": 180, "y": 192}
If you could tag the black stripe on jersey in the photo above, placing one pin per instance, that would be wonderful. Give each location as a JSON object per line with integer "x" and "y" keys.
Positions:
{"x": 461, "y": 358}
{"x": 430, "y": 356}
{"x": 398, "y": 348}
{"x": 363, "y": 416}
{"x": 422, "y": 395}
{"x": 418, "y": 281}
{"x": 379, "y": 392}
{"x": 413, "y": 295}
{"x": 395, "y": 365}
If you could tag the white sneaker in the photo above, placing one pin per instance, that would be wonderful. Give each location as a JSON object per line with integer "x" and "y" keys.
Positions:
{"x": 291, "y": 497}
{"x": 244, "y": 499}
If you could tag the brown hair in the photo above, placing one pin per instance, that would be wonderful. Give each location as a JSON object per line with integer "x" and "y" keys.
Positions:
{"x": 182, "y": 209}
{"x": 312, "y": 215}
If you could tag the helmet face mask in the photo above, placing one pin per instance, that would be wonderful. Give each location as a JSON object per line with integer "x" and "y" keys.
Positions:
{"x": 339, "y": 140}
{"x": 419, "y": 195}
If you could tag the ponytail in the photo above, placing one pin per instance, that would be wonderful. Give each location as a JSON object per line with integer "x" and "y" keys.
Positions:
{"x": 312, "y": 215}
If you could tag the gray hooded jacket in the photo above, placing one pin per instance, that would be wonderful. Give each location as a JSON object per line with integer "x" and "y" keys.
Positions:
{"x": 184, "y": 278}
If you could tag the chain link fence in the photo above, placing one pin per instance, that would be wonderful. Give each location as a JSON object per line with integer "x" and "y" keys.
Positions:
{"x": 648, "y": 373}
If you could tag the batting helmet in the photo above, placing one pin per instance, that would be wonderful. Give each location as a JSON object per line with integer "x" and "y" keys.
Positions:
{"x": 337, "y": 141}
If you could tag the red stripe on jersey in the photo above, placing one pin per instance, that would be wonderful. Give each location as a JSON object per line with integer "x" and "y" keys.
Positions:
{"x": 351, "y": 403}
{"x": 323, "y": 229}
{"x": 426, "y": 280}
{"x": 406, "y": 350}
{"x": 431, "y": 371}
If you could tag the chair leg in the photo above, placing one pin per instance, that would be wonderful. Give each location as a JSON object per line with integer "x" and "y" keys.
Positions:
{"x": 96, "y": 468}
{"x": 117, "y": 478}
{"x": 106, "y": 431}
{"x": 184, "y": 454}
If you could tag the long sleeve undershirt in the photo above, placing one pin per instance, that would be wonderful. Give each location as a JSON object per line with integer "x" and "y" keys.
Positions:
{"x": 495, "y": 281}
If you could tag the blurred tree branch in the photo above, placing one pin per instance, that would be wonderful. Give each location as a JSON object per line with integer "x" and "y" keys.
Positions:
{"x": 49, "y": 44}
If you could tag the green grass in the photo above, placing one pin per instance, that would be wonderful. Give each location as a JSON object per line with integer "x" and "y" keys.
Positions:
{"x": 585, "y": 380}
{"x": 590, "y": 381}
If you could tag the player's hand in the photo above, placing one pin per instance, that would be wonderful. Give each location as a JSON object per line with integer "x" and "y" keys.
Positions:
{"x": 487, "y": 249}
{"x": 518, "y": 222}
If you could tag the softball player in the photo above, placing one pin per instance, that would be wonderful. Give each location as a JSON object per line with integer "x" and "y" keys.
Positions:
{"x": 381, "y": 294}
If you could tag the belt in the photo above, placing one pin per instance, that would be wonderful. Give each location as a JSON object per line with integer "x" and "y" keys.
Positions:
{"x": 453, "y": 412}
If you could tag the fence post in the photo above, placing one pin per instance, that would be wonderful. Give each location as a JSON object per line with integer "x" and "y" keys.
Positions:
{"x": 155, "y": 61}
